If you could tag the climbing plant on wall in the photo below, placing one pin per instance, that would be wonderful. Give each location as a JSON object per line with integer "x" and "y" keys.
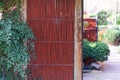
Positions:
{"x": 16, "y": 41}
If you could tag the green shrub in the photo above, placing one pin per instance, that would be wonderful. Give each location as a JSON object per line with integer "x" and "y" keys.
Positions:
{"x": 118, "y": 19}
{"x": 112, "y": 36}
{"x": 102, "y": 17}
{"x": 15, "y": 41}
{"x": 15, "y": 44}
{"x": 99, "y": 51}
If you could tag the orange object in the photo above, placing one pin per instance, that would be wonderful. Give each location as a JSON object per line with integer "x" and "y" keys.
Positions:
{"x": 90, "y": 31}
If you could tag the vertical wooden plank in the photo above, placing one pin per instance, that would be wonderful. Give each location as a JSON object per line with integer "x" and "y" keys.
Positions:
{"x": 78, "y": 41}
{"x": 42, "y": 9}
{"x": 52, "y": 22}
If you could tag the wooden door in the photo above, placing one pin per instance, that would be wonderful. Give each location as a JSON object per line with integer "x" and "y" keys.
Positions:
{"x": 52, "y": 22}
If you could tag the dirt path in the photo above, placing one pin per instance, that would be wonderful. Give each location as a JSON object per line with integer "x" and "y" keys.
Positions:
{"x": 111, "y": 68}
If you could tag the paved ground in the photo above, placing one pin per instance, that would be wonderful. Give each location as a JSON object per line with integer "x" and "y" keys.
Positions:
{"x": 111, "y": 68}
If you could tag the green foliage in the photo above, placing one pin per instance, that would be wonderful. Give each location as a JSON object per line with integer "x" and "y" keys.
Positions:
{"x": 7, "y": 5}
{"x": 15, "y": 44}
{"x": 93, "y": 15}
{"x": 102, "y": 17}
{"x": 112, "y": 36}
{"x": 2, "y": 2}
{"x": 99, "y": 51}
{"x": 118, "y": 19}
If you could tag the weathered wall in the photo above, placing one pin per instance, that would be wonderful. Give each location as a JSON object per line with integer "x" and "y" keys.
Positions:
{"x": 23, "y": 9}
{"x": 78, "y": 41}
{"x": 24, "y": 17}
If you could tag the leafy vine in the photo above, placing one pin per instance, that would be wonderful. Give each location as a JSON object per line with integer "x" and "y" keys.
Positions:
{"x": 15, "y": 41}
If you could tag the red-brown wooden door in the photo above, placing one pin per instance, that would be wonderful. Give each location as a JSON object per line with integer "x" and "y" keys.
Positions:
{"x": 52, "y": 22}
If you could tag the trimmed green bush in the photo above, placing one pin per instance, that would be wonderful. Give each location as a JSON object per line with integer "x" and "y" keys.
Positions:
{"x": 102, "y": 17}
{"x": 98, "y": 51}
{"x": 112, "y": 36}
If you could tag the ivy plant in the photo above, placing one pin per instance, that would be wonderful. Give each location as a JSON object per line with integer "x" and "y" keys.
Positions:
{"x": 16, "y": 42}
